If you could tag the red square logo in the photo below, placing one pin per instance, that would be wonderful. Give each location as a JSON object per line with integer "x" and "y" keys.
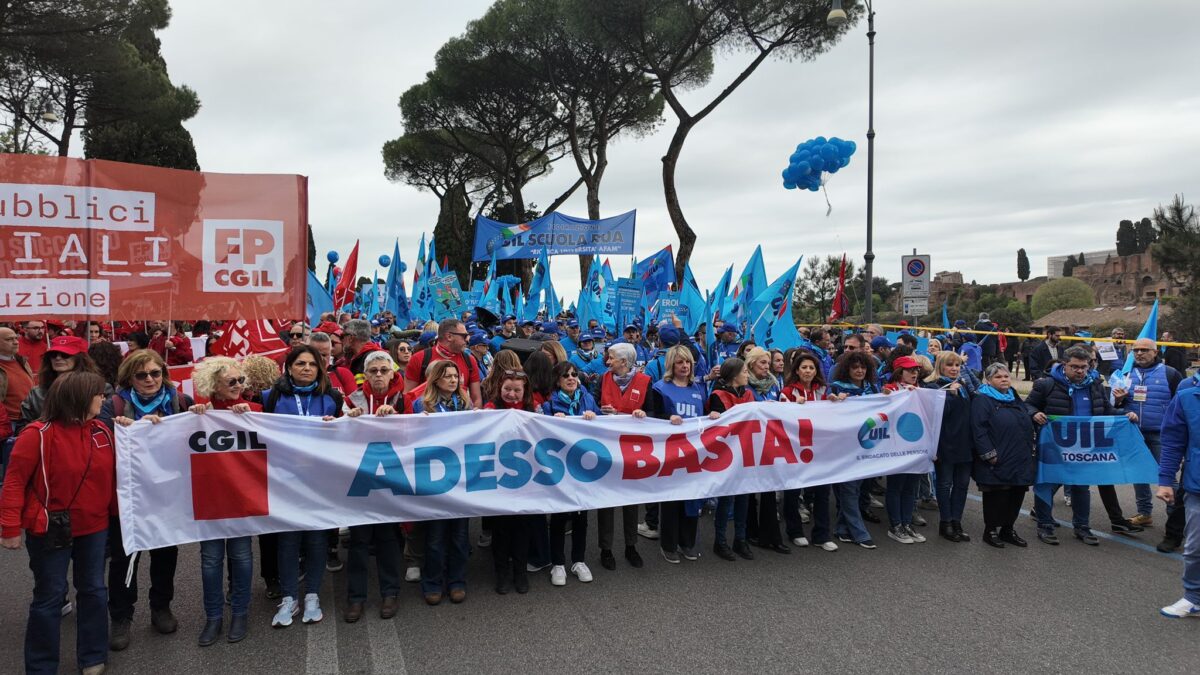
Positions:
{"x": 229, "y": 484}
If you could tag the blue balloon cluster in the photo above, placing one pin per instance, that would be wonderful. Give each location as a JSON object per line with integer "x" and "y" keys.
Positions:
{"x": 814, "y": 156}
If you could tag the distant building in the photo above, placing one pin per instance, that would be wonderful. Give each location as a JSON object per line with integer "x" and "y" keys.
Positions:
{"x": 1054, "y": 264}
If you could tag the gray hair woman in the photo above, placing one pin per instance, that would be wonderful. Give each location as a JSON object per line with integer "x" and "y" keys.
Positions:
{"x": 623, "y": 391}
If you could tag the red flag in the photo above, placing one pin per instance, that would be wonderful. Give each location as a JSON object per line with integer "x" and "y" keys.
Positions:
{"x": 841, "y": 305}
{"x": 344, "y": 293}
{"x": 243, "y": 338}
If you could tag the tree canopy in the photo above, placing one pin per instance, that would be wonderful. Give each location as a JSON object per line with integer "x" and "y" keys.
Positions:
{"x": 1065, "y": 293}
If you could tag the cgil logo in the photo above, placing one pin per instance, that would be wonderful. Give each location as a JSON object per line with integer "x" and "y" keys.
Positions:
{"x": 243, "y": 256}
{"x": 229, "y": 475}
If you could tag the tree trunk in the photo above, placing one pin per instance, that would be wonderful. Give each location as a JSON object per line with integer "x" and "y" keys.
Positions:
{"x": 454, "y": 233}
{"x": 687, "y": 237}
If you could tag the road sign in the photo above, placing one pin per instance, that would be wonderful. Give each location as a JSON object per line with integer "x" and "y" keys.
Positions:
{"x": 916, "y": 306}
{"x": 914, "y": 275}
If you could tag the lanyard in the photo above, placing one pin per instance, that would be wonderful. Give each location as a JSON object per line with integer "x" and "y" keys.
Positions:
{"x": 302, "y": 409}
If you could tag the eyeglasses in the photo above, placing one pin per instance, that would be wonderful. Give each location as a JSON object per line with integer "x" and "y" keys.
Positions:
{"x": 236, "y": 381}
{"x": 296, "y": 336}
{"x": 380, "y": 371}
{"x": 1142, "y": 349}
{"x": 148, "y": 375}
{"x": 461, "y": 335}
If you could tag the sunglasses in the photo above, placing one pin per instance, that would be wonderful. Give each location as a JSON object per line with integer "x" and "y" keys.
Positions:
{"x": 461, "y": 335}
{"x": 516, "y": 374}
{"x": 380, "y": 371}
{"x": 148, "y": 375}
{"x": 1142, "y": 349}
{"x": 236, "y": 381}
{"x": 403, "y": 349}
{"x": 567, "y": 376}
{"x": 296, "y": 336}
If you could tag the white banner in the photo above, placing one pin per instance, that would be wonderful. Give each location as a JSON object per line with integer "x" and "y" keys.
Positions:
{"x": 197, "y": 477}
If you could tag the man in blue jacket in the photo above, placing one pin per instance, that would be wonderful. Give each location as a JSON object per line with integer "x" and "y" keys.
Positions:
{"x": 1073, "y": 388}
{"x": 1151, "y": 385}
{"x": 1179, "y": 444}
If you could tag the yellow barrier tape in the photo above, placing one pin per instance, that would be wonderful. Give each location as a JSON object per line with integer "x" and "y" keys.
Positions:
{"x": 939, "y": 330}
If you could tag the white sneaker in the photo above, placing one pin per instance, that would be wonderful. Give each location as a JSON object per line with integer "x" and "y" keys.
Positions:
{"x": 581, "y": 572}
{"x": 914, "y": 535}
{"x": 485, "y": 539}
{"x": 829, "y": 546}
{"x": 647, "y": 532}
{"x": 412, "y": 574}
{"x": 876, "y": 504}
{"x": 1182, "y": 608}
{"x": 558, "y": 575}
{"x": 287, "y": 609}
{"x": 312, "y": 608}
{"x": 800, "y": 541}
{"x": 898, "y": 533}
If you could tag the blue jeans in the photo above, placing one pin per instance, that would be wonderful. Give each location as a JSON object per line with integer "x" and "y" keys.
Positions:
{"x": 849, "y": 520}
{"x": 316, "y": 549}
{"x": 446, "y": 551}
{"x": 1043, "y": 498}
{"x": 901, "y": 497}
{"x": 212, "y": 574}
{"x": 953, "y": 481}
{"x": 42, "y": 631}
{"x": 740, "y": 505}
{"x": 1142, "y": 493}
{"x": 1191, "y": 550}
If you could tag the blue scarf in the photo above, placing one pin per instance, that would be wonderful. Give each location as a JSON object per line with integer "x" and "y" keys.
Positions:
{"x": 993, "y": 393}
{"x": 573, "y": 402}
{"x": 159, "y": 405}
{"x": 306, "y": 389}
{"x": 962, "y": 387}
{"x": 857, "y": 390}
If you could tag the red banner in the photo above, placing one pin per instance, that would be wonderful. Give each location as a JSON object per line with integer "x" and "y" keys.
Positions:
{"x": 105, "y": 240}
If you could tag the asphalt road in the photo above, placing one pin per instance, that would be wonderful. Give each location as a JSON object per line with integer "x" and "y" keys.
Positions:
{"x": 936, "y": 607}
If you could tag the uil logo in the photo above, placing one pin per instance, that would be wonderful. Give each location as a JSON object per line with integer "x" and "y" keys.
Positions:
{"x": 873, "y": 431}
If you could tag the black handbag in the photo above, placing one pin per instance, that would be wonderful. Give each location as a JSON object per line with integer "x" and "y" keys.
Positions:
{"x": 58, "y": 523}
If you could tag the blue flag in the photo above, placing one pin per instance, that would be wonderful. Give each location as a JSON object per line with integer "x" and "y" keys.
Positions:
{"x": 766, "y": 307}
{"x": 1094, "y": 451}
{"x": 396, "y": 296}
{"x": 318, "y": 300}
{"x": 1149, "y": 332}
{"x": 656, "y": 272}
{"x": 945, "y": 317}
{"x": 748, "y": 286}
{"x": 692, "y": 304}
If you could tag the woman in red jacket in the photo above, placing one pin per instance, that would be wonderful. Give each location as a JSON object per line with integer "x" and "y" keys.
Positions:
{"x": 60, "y": 488}
{"x": 623, "y": 391}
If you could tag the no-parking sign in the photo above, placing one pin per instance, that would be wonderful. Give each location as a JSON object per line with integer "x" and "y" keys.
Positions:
{"x": 914, "y": 272}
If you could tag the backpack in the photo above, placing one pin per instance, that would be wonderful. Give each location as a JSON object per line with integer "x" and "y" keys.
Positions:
{"x": 427, "y": 358}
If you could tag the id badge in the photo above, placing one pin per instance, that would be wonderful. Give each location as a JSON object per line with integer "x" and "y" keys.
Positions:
{"x": 1139, "y": 393}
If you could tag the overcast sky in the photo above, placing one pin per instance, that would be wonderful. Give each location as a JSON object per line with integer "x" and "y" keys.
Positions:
{"x": 999, "y": 125}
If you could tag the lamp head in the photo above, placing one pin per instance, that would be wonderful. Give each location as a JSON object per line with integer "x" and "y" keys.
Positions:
{"x": 837, "y": 15}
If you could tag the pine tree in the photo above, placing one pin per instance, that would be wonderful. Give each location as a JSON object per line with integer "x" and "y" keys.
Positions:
{"x": 1022, "y": 265}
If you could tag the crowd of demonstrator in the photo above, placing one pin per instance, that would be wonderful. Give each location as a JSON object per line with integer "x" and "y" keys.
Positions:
{"x": 63, "y": 393}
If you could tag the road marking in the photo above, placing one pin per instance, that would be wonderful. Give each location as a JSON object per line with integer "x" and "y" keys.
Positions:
{"x": 1133, "y": 543}
{"x": 322, "y": 656}
{"x": 386, "y": 655}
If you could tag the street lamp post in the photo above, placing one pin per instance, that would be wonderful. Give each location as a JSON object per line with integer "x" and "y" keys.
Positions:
{"x": 837, "y": 17}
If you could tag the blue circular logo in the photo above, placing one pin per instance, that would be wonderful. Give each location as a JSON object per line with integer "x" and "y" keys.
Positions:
{"x": 910, "y": 428}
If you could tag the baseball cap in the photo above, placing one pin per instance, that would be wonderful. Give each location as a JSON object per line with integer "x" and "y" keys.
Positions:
{"x": 68, "y": 344}
{"x": 727, "y": 328}
{"x": 904, "y": 363}
{"x": 881, "y": 342}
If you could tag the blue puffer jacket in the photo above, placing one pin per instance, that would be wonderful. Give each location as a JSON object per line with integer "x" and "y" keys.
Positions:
{"x": 1160, "y": 381}
{"x": 1178, "y": 443}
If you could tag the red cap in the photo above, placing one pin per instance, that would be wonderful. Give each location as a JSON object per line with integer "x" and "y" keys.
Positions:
{"x": 55, "y": 323}
{"x": 904, "y": 363}
{"x": 902, "y": 322}
{"x": 68, "y": 344}
{"x": 329, "y": 327}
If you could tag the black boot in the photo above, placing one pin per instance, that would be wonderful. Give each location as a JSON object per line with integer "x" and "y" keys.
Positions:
{"x": 503, "y": 578}
{"x": 742, "y": 548}
{"x": 946, "y": 531}
{"x": 212, "y": 630}
{"x": 962, "y": 536}
{"x": 520, "y": 580}
{"x": 992, "y": 538}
